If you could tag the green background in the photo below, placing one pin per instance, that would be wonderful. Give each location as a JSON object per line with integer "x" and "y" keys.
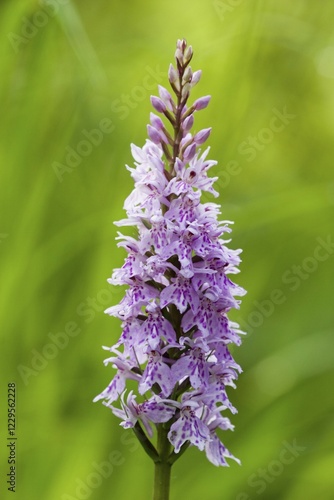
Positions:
{"x": 65, "y": 67}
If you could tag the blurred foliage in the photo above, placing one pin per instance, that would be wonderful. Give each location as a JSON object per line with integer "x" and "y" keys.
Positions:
{"x": 66, "y": 66}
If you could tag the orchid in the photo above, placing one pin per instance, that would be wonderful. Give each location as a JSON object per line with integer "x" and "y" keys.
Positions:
{"x": 175, "y": 327}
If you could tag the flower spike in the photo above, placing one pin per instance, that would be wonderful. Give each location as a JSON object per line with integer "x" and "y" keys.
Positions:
{"x": 176, "y": 332}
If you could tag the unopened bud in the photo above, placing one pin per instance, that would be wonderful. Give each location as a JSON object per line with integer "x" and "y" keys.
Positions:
{"x": 188, "y": 54}
{"x": 179, "y": 56}
{"x": 172, "y": 74}
{"x": 202, "y": 136}
{"x": 189, "y": 152}
{"x": 196, "y": 77}
{"x": 156, "y": 121}
{"x": 166, "y": 97}
{"x": 187, "y": 139}
{"x": 185, "y": 91}
{"x": 201, "y": 103}
{"x": 158, "y": 104}
{"x": 156, "y": 136}
{"x": 181, "y": 44}
{"x": 176, "y": 86}
{"x": 188, "y": 123}
{"x": 153, "y": 134}
{"x": 187, "y": 76}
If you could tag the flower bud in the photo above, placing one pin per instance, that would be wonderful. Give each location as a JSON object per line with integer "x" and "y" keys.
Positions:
{"x": 156, "y": 136}
{"x": 153, "y": 134}
{"x": 156, "y": 121}
{"x": 187, "y": 75}
{"x": 188, "y": 123}
{"x": 172, "y": 74}
{"x": 184, "y": 110}
{"x": 185, "y": 91}
{"x": 179, "y": 56}
{"x": 196, "y": 77}
{"x": 166, "y": 97}
{"x": 202, "y": 135}
{"x": 188, "y": 53}
{"x": 201, "y": 103}
{"x": 189, "y": 152}
{"x": 181, "y": 44}
{"x": 187, "y": 139}
{"x": 158, "y": 104}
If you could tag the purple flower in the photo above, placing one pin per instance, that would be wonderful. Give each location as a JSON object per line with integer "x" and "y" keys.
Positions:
{"x": 156, "y": 329}
{"x": 192, "y": 176}
{"x": 217, "y": 453}
{"x": 176, "y": 333}
{"x": 153, "y": 410}
{"x": 192, "y": 365}
{"x": 214, "y": 448}
{"x": 181, "y": 293}
{"x": 156, "y": 372}
{"x": 117, "y": 385}
{"x": 188, "y": 427}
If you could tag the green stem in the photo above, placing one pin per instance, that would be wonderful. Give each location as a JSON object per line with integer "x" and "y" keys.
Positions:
{"x": 145, "y": 442}
{"x": 162, "y": 467}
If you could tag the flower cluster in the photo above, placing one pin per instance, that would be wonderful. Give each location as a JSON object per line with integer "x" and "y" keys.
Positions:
{"x": 175, "y": 330}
